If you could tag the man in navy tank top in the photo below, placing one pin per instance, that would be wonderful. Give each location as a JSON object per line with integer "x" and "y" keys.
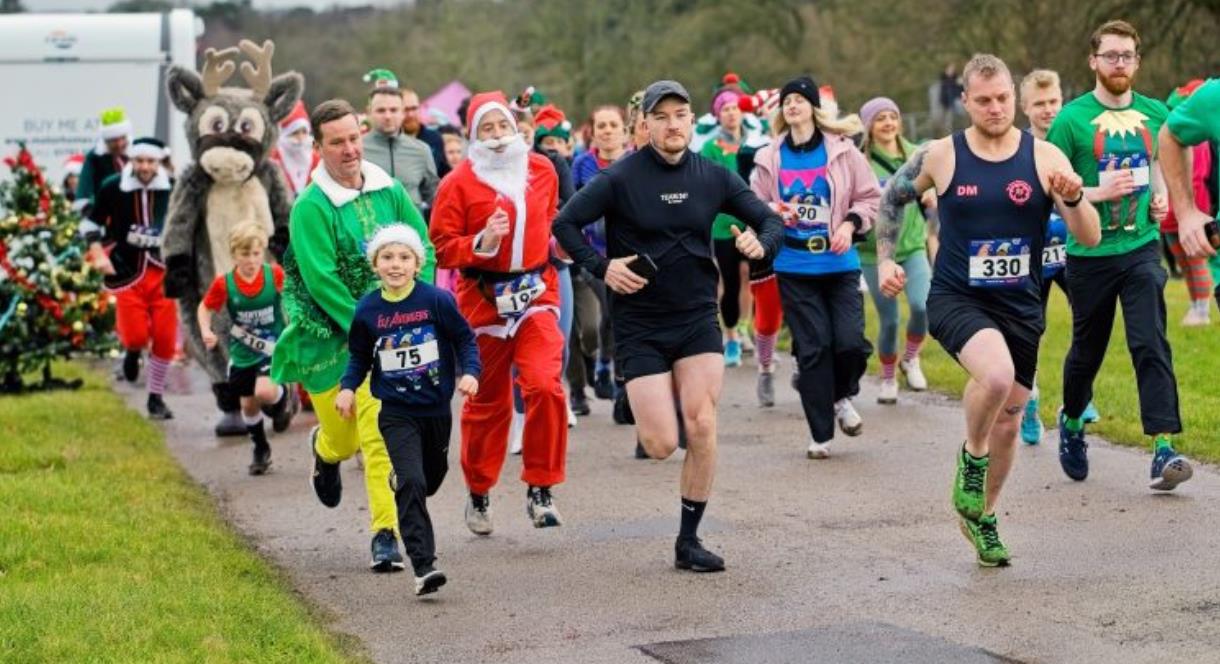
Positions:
{"x": 996, "y": 186}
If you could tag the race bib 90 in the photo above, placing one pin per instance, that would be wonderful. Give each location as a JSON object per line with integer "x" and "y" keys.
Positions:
{"x": 252, "y": 341}
{"x": 515, "y": 296}
{"x": 999, "y": 263}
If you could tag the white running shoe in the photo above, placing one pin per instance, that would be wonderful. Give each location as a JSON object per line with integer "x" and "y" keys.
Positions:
{"x": 515, "y": 431}
{"x": 849, "y": 420}
{"x": 478, "y": 514}
{"x": 1195, "y": 318}
{"x": 571, "y": 415}
{"x": 915, "y": 378}
{"x": 540, "y": 507}
{"x": 818, "y": 451}
{"x": 888, "y": 394}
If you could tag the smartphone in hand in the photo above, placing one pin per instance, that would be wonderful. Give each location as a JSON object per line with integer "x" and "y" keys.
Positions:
{"x": 644, "y": 266}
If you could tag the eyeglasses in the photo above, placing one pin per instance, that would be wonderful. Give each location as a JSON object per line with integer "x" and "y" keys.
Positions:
{"x": 1112, "y": 58}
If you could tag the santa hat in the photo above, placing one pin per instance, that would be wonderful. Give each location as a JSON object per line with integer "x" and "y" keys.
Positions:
{"x": 147, "y": 147}
{"x": 396, "y": 234}
{"x": 481, "y": 104}
{"x": 381, "y": 78}
{"x": 115, "y": 123}
{"x": 529, "y": 99}
{"x": 550, "y": 121}
{"x": 296, "y": 120}
{"x": 762, "y": 103}
{"x": 73, "y": 164}
{"x": 731, "y": 90}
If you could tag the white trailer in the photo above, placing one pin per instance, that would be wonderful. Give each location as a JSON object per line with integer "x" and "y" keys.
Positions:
{"x": 59, "y": 71}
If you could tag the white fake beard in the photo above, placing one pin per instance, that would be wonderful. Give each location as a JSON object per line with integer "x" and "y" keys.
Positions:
{"x": 507, "y": 171}
{"x": 297, "y": 157}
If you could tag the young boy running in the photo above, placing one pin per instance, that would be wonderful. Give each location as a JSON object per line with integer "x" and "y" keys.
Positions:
{"x": 410, "y": 334}
{"x": 250, "y": 294}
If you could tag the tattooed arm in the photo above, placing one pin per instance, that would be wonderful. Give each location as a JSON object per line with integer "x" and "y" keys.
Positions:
{"x": 904, "y": 187}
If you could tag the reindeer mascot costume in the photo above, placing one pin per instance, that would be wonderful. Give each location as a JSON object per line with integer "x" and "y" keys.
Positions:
{"x": 231, "y": 132}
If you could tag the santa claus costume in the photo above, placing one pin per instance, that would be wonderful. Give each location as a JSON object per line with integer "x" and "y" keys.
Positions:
{"x": 509, "y": 293}
{"x": 294, "y": 150}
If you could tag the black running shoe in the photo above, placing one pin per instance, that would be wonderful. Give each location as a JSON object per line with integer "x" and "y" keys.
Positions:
{"x": 157, "y": 410}
{"x": 622, "y": 409}
{"x": 428, "y": 579}
{"x": 689, "y": 554}
{"x": 261, "y": 461}
{"x": 640, "y": 452}
{"x": 580, "y": 403}
{"x": 603, "y": 385}
{"x": 386, "y": 557}
{"x": 284, "y": 410}
{"x": 131, "y": 366}
{"x": 327, "y": 483}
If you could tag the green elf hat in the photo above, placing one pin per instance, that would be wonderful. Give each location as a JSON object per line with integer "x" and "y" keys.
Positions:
{"x": 550, "y": 121}
{"x": 382, "y": 78}
{"x": 115, "y": 123}
{"x": 529, "y": 99}
{"x": 1179, "y": 95}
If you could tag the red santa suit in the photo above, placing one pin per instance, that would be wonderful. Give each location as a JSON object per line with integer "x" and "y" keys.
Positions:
{"x": 297, "y": 159}
{"x": 510, "y": 296}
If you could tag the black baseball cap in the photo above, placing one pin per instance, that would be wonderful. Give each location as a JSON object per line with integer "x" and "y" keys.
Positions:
{"x": 662, "y": 89}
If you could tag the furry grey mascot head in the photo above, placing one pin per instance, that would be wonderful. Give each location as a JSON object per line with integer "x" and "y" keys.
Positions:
{"x": 231, "y": 182}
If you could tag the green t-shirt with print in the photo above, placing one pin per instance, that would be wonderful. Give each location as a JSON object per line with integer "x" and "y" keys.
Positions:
{"x": 1100, "y": 141}
{"x": 1197, "y": 120}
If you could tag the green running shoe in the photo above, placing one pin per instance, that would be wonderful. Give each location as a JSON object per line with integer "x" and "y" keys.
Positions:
{"x": 969, "y": 485}
{"x": 986, "y": 540}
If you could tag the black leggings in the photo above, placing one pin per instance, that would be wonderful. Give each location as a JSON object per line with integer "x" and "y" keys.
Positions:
{"x": 729, "y": 260}
{"x": 419, "y": 454}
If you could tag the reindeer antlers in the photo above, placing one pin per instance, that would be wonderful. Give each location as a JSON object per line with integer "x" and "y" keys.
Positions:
{"x": 217, "y": 68}
{"x": 258, "y": 76}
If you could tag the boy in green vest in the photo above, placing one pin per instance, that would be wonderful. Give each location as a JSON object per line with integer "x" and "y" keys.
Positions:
{"x": 250, "y": 294}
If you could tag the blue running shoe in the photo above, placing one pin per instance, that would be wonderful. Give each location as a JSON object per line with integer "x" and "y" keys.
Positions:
{"x": 1073, "y": 451}
{"x": 1031, "y": 424}
{"x": 732, "y": 353}
{"x": 1169, "y": 469}
{"x": 1090, "y": 414}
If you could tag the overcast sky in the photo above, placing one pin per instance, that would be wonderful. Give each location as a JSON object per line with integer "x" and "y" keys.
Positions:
{"x": 101, "y": 5}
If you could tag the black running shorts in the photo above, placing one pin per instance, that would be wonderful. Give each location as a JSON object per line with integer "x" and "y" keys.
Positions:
{"x": 242, "y": 379}
{"x": 649, "y": 344}
{"x": 953, "y": 320}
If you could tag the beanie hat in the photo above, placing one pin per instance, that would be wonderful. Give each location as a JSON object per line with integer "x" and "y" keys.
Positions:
{"x": 483, "y": 102}
{"x": 396, "y": 234}
{"x": 381, "y": 78}
{"x": 729, "y": 92}
{"x": 803, "y": 86}
{"x": 73, "y": 164}
{"x": 874, "y": 107}
{"x": 115, "y": 123}
{"x": 550, "y": 121}
{"x": 147, "y": 147}
{"x": 297, "y": 119}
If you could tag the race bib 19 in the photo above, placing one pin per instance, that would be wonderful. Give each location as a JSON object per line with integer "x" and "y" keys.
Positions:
{"x": 515, "y": 296}
{"x": 999, "y": 263}
{"x": 252, "y": 341}
{"x": 144, "y": 237}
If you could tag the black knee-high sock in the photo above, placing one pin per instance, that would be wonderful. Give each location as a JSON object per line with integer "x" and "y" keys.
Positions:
{"x": 692, "y": 513}
{"x": 258, "y": 434}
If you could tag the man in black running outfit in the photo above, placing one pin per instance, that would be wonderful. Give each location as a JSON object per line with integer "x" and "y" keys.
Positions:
{"x": 659, "y": 204}
{"x": 996, "y": 185}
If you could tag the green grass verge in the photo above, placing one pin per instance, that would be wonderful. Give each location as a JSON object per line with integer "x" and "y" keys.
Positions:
{"x": 1196, "y": 360}
{"x": 109, "y": 552}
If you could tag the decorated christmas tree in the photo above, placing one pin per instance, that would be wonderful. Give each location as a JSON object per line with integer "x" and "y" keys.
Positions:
{"x": 51, "y": 300}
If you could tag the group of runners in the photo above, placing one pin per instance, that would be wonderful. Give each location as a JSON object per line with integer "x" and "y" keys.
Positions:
{"x": 677, "y": 247}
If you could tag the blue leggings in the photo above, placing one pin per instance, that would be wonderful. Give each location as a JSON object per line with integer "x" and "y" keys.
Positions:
{"x": 919, "y": 280}
{"x": 565, "y": 327}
